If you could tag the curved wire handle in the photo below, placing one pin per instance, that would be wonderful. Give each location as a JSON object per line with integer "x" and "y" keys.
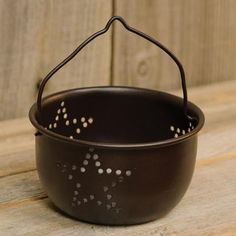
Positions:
{"x": 95, "y": 35}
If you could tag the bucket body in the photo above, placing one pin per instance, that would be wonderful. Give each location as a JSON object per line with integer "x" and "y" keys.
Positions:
{"x": 113, "y": 182}
{"x": 133, "y": 186}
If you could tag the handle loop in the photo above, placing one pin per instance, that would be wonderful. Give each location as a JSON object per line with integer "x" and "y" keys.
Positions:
{"x": 95, "y": 35}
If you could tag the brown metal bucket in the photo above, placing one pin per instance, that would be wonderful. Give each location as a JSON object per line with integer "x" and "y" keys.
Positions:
{"x": 115, "y": 155}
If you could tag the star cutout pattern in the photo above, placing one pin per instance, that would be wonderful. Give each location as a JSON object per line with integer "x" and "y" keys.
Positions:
{"x": 178, "y": 132}
{"x": 105, "y": 198}
{"x": 74, "y": 124}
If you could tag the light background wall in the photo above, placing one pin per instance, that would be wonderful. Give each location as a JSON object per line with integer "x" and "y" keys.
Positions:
{"x": 37, "y": 35}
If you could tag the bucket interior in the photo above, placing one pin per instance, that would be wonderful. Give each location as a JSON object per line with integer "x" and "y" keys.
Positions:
{"x": 116, "y": 115}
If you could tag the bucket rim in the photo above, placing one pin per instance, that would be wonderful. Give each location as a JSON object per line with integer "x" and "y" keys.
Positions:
{"x": 105, "y": 145}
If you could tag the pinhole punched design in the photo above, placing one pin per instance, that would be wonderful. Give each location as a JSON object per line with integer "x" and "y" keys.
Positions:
{"x": 115, "y": 155}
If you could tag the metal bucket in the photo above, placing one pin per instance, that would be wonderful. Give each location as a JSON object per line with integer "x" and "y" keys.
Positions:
{"x": 115, "y": 155}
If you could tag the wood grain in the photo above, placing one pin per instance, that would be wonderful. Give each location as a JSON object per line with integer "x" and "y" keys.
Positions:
{"x": 36, "y": 36}
{"x": 201, "y": 34}
{"x": 19, "y": 187}
{"x": 16, "y": 146}
{"x": 208, "y": 208}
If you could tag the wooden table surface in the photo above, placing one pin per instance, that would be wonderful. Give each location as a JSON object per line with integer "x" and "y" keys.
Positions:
{"x": 208, "y": 207}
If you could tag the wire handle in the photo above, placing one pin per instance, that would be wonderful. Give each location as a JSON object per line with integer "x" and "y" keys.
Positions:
{"x": 95, "y": 35}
